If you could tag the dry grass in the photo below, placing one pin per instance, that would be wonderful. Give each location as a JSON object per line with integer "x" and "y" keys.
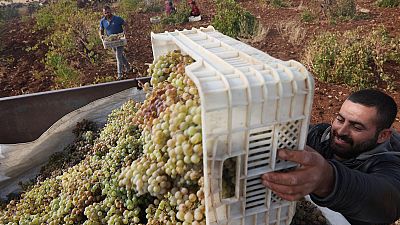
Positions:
{"x": 292, "y": 31}
{"x": 259, "y": 35}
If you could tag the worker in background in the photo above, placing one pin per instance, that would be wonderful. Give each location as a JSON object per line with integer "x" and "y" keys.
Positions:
{"x": 351, "y": 166}
{"x": 112, "y": 24}
{"x": 195, "y": 10}
{"x": 169, "y": 7}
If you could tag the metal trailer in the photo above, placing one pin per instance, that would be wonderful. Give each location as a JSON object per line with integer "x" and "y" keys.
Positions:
{"x": 24, "y": 118}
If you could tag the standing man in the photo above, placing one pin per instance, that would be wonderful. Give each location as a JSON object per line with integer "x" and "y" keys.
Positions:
{"x": 351, "y": 166}
{"x": 112, "y": 24}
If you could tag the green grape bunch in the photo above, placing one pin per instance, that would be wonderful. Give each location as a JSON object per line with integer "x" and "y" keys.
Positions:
{"x": 143, "y": 167}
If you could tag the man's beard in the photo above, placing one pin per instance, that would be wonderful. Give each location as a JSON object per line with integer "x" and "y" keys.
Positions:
{"x": 354, "y": 149}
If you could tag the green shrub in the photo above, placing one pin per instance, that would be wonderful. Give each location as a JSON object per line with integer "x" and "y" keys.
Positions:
{"x": 131, "y": 5}
{"x": 44, "y": 19}
{"x": 279, "y": 3}
{"x": 388, "y": 3}
{"x": 321, "y": 56}
{"x": 346, "y": 8}
{"x": 307, "y": 16}
{"x": 340, "y": 9}
{"x": 232, "y": 20}
{"x": 72, "y": 33}
{"x": 248, "y": 25}
{"x": 1, "y": 34}
{"x": 353, "y": 58}
{"x": 33, "y": 7}
{"x": 154, "y": 6}
{"x": 8, "y": 12}
{"x": 181, "y": 15}
{"x": 71, "y": 30}
{"x": 394, "y": 54}
{"x": 127, "y": 7}
{"x": 66, "y": 75}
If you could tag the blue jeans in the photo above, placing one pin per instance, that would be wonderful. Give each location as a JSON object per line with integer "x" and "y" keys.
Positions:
{"x": 121, "y": 60}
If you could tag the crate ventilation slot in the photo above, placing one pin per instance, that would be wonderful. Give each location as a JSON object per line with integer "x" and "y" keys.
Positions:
{"x": 260, "y": 146}
{"x": 275, "y": 199}
{"x": 255, "y": 194}
{"x": 287, "y": 135}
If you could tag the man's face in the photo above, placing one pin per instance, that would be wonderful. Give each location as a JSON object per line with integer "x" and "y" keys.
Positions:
{"x": 107, "y": 13}
{"x": 354, "y": 130}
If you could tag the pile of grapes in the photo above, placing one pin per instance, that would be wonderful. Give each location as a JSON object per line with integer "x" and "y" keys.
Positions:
{"x": 144, "y": 167}
{"x": 114, "y": 37}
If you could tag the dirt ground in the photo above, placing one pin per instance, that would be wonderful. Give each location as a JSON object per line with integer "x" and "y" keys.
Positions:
{"x": 17, "y": 66}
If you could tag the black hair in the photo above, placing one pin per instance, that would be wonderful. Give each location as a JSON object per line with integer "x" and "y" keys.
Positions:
{"x": 106, "y": 7}
{"x": 385, "y": 105}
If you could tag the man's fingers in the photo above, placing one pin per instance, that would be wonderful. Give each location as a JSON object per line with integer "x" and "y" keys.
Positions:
{"x": 281, "y": 178}
{"x": 286, "y": 192}
{"x": 290, "y": 197}
{"x": 299, "y": 176}
{"x": 298, "y": 156}
{"x": 278, "y": 187}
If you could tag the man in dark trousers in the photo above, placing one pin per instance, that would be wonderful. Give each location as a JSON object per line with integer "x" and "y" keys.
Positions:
{"x": 351, "y": 166}
{"x": 112, "y": 24}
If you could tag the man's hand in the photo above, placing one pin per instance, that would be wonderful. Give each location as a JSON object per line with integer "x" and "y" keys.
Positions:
{"x": 125, "y": 27}
{"x": 101, "y": 34}
{"x": 314, "y": 175}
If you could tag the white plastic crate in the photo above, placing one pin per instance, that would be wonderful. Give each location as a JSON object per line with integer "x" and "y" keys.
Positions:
{"x": 194, "y": 18}
{"x": 252, "y": 104}
{"x": 115, "y": 43}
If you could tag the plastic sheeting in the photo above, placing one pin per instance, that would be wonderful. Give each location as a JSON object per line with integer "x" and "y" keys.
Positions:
{"x": 334, "y": 218}
{"x": 22, "y": 161}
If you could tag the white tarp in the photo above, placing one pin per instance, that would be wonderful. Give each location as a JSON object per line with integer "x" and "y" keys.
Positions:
{"x": 334, "y": 218}
{"x": 22, "y": 161}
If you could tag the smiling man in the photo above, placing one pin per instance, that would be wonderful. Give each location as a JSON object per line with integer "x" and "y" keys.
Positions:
{"x": 351, "y": 166}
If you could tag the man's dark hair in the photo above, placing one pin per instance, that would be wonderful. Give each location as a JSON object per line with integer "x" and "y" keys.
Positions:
{"x": 385, "y": 105}
{"x": 106, "y": 7}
